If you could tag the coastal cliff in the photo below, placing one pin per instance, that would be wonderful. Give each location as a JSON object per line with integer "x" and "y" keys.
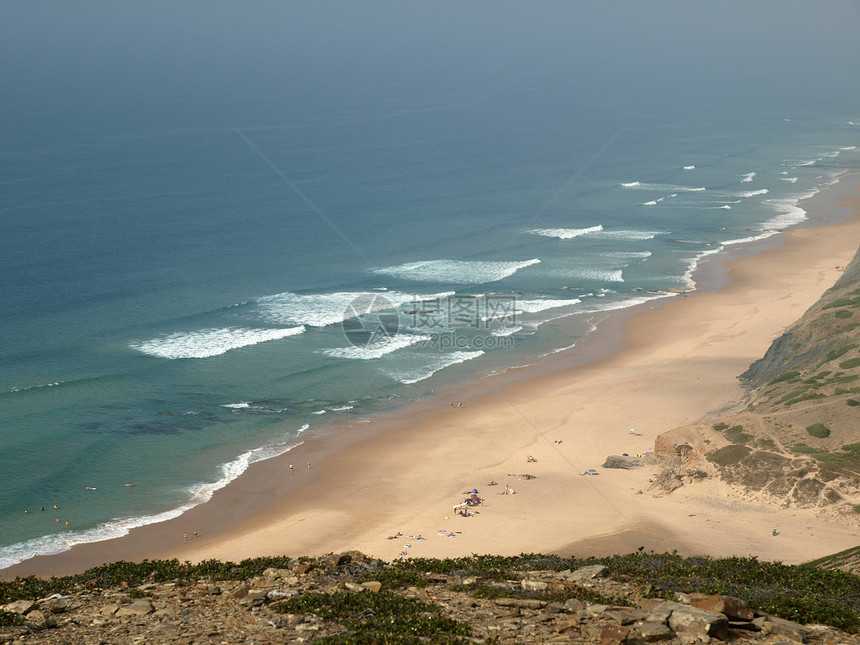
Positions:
{"x": 796, "y": 439}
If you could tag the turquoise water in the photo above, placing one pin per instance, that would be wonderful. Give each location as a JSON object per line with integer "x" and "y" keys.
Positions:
{"x": 192, "y": 278}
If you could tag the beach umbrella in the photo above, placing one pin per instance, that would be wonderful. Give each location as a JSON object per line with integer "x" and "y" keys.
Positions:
{"x": 475, "y": 491}
{"x": 591, "y": 470}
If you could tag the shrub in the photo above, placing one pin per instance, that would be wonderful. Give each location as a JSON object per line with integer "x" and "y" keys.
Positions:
{"x": 851, "y": 362}
{"x": 843, "y": 313}
{"x": 728, "y": 455}
{"x": 785, "y": 377}
{"x": 818, "y": 430}
{"x": 853, "y": 402}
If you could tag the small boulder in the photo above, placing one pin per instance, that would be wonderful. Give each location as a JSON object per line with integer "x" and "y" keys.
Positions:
{"x": 622, "y": 461}
{"x": 785, "y": 629}
{"x": 140, "y": 607}
{"x": 372, "y": 585}
{"x": 652, "y": 632}
{"x": 19, "y": 607}
{"x": 589, "y": 573}
{"x": 733, "y": 608}
{"x": 533, "y": 585}
{"x": 698, "y": 622}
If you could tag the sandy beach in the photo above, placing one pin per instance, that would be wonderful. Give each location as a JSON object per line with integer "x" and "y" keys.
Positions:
{"x": 670, "y": 363}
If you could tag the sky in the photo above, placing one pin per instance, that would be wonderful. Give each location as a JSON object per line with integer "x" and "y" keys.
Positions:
{"x": 193, "y": 48}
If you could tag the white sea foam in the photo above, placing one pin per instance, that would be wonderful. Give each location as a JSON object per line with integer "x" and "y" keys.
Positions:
{"x": 791, "y": 179}
{"x": 506, "y": 331}
{"x": 536, "y": 306}
{"x": 753, "y": 193}
{"x": 237, "y": 406}
{"x": 319, "y": 412}
{"x": 693, "y": 264}
{"x": 651, "y": 203}
{"x": 747, "y": 178}
{"x": 589, "y": 273}
{"x": 437, "y": 362}
{"x": 303, "y": 428}
{"x": 341, "y": 408}
{"x": 206, "y": 343}
{"x": 322, "y": 309}
{"x": 198, "y": 494}
{"x": 628, "y": 255}
{"x": 566, "y": 233}
{"x": 725, "y": 207}
{"x": 630, "y": 235}
{"x": 638, "y": 185}
{"x": 788, "y": 213}
{"x": 378, "y": 349}
{"x": 456, "y": 271}
{"x": 612, "y": 305}
{"x": 689, "y": 167}
{"x": 846, "y": 148}
{"x": 753, "y": 238}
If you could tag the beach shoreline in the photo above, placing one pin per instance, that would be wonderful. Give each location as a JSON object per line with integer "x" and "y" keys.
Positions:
{"x": 665, "y": 362}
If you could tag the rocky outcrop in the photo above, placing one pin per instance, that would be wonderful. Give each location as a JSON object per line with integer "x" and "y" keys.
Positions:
{"x": 213, "y": 611}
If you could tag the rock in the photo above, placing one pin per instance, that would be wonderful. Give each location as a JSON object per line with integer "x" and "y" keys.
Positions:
{"x": 436, "y": 578}
{"x": 521, "y": 603}
{"x": 733, "y": 608}
{"x": 652, "y": 632}
{"x": 255, "y": 597}
{"x": 139, "y": 607}
{"x": 698, "y": 622}
{"x": 625, "y": 615}
{"x": 334, "y": 560}
{"x": 589, "y": 573}
{"x": 241, "y": 591}
{"x": 276, "y": 574}
{"x": 614, "y": 634}
{"x": 573, "y": 605}
{"x": 20, "y": 607}
{"x": 621, "y": 461}
{"x": 303, "y": 568}
{"x": 681, "y": 445}
{"x": 785, "y": 628}
{"x": 356, "y": 588}
{"x": 534, "y": 585}
{"x": 35, "y": 619}
{"x": 372, "y": 585}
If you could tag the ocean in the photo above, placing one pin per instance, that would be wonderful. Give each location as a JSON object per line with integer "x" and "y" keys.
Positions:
{"x": 195, "y": 280}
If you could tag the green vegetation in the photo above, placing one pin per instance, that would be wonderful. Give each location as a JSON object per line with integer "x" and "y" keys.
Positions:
{"x": 803, "y": 593}
{"x": 818, "y": 430}
{"x": 728, "y": 455}
{"x": 843, "y": 313}
{"x": 803, "y": 449}
{"x": 719, "y": 427}
{"x": 785, "y": 377}
{"x": 736, "y": 434}
{"x": 10, "y": 619}
{"x": 381, "y": 617}
{"x": 853, "y": 402}
{"x": 796, "y": 396}
{"x": 833, "y": 354}
{"x": 851, "y": 362}
{"x": 842, "y": 302}
{"x": 852, "y": 447}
